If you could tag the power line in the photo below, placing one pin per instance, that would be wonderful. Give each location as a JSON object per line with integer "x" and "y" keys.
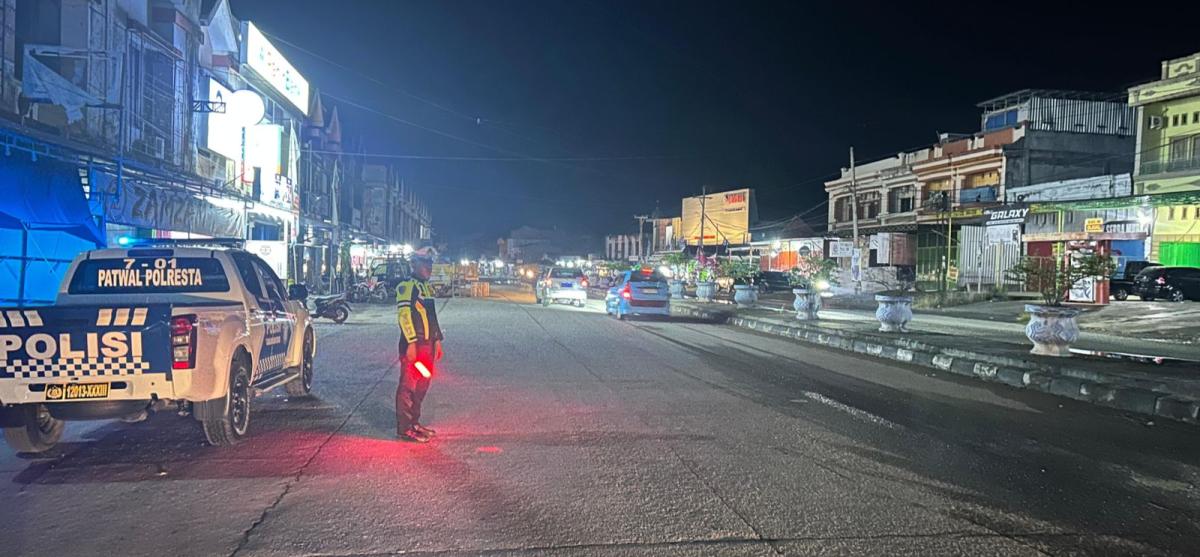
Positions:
{"x": 514, "y": 159}
{"x": 374, "y": 80}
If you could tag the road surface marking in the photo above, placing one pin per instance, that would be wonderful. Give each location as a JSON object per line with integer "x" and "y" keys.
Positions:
{"x": 857, "y": 413}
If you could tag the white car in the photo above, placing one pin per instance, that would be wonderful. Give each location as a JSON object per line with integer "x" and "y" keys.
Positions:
{"x": 562, "y": 285}
{"x": 167, "y": 325}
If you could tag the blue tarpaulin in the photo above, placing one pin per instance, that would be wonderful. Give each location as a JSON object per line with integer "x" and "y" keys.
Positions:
{"x": 44, "y": 223}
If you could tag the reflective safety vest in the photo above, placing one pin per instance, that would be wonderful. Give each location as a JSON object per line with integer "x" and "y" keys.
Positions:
{"x": 415, "y": 312}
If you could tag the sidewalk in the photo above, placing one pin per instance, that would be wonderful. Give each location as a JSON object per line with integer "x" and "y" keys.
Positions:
{"x": 998, "y": 351}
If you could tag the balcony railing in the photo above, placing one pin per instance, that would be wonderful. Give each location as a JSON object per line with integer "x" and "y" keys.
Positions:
{"x": 1177, "y": 165}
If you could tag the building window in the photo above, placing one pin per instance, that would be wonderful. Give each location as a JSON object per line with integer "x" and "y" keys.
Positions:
{"x": 1179, "y": 149}
{"x": 1196, "y": 117}
{"x": 983, "y": 179}
{"x": 868, "y": 205}
{"x": 1175, "y": 120}
{"x": 900, "y": 200}
{"x": 841, "y": 209}
{"x": 1171, "y": 213}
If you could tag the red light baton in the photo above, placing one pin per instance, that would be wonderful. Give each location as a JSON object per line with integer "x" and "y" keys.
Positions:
{"x": 424, "y": 371}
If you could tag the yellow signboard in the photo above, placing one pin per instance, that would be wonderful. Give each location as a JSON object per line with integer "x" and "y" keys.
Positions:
{"x": 1093, "y": 225}
{"x": 724, "y": 217}
{"x": 952, "y": 274}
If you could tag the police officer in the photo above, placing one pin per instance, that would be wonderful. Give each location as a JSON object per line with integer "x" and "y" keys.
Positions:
{"x": 420, "y": 341}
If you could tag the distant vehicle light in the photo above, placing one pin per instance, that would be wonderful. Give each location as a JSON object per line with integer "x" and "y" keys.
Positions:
{"x": 665, "y": 271}
{"x": 822, "y": 285}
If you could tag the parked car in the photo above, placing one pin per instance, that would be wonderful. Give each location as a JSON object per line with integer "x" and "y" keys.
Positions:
{"x": 772, "y": 281}
{"x": 1121, "y": 285}
{"x": 562, "y": 284}
{"x": 638, "y": 292}
{"x": 1171, "y": 283}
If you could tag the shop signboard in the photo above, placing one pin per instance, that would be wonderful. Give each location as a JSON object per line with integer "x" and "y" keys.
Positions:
{"x": 1006, "y": 215}
{"x": 1093, "y": 225}
{"x": 724, "y": 217}
{"x": 841, "y": 248}
{"x": 161, "y": 207}
{"x": 1004, "y": 234}
{"x": 260, "y": 56}
{"x": 273, "y": 252}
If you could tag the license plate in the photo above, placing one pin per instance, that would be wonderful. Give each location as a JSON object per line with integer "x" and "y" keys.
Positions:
{"x": 566, "y": 284}
{"x": 77, "y": 391}
{"x": 649, "y": 291}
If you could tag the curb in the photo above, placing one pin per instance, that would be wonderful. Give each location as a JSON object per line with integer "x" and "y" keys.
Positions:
{"x": 1077, "y": 384}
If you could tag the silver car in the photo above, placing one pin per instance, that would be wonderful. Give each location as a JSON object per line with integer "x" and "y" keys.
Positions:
{"x": 562, "y": 285}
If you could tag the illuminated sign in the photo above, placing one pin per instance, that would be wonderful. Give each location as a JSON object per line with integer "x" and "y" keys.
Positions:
{"x": 224, "y": 134}
{"x": 268, "y": 63}
{"x": 1093, "y": 225}
{"x": 263, "y": 147}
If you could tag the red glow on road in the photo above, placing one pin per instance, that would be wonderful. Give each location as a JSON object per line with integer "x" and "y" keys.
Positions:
{"x": 489, "y": 449}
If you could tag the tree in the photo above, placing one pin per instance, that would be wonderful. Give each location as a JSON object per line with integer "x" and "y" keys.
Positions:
{"x": 1053, "y": 277}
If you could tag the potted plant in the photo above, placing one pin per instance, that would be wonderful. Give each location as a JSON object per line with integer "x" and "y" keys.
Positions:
{"x": 745, "y": 295}
{"x": 677, "y": 262}
{"x": 811, "y": 276}
{"x": 1052, "y": 326}
{"x": 706, "y": 286}
{"x": 894, "y": 309}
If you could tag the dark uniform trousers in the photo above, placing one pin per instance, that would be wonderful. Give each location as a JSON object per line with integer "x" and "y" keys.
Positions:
{"x": 413, "y": 386}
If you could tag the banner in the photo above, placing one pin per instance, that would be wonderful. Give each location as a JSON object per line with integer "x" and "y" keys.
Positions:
{"x": 841, "y": 248}
{"x": 726, "y": 217}
{"x": 166, "y": 208}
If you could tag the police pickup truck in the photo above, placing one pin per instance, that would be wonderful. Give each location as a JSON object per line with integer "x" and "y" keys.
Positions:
{"x": 197, "y": 328}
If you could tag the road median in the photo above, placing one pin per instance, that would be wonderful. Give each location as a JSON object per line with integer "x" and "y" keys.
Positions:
{"x": 1167, "y": 390}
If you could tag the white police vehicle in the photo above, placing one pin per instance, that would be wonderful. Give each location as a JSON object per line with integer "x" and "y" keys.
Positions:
{"x": 195, "y": 327}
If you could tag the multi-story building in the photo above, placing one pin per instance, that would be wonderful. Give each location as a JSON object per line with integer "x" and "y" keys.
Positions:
{"x": 1167, "y": 170}
{"x": 938, "y": 196}
{"x": 162, "y": 118}
{"x": 623, "y": 247}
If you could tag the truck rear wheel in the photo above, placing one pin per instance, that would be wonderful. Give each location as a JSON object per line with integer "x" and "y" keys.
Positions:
{"x": 38, "y": 431}
{"x": 230, "y": 426}
{"x": 302, "y": 386}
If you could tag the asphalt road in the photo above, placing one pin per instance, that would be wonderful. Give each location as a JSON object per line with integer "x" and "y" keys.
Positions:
{"x": 565, "y": 432}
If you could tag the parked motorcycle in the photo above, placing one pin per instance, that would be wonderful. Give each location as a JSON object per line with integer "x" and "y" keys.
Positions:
{"x": 333, "y": 307}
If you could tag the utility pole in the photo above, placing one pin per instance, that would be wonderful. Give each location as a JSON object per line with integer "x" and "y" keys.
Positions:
{"x": 703, "y": 198}
{"x": 641, "y": 243}
{"x": 856, "y": 258}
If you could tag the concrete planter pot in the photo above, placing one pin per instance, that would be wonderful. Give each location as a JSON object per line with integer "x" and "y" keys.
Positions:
{"x": 676, "y": 287}
{"x": 1052, "y": 329}
{"x": 807, "y": 304}
{"x": 893, "y": 313}
{"x": 706, "y": 290}
{"x": 745, "y": 295}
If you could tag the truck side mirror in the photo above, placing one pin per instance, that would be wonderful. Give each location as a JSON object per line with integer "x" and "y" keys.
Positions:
{"x": 298, "y": 292}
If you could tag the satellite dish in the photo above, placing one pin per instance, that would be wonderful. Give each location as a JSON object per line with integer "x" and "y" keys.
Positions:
{"x": 245, "y": 108}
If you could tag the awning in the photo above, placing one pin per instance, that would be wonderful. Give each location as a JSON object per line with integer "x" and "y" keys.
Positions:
{"x": 46, "y": 195}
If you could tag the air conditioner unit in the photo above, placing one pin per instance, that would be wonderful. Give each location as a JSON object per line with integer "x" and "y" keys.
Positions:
{"x": 1156, "y": 122}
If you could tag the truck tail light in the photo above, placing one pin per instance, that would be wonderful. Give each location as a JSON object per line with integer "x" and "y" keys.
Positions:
{"x": 627, "y": 292}
{"x": 183, "y": 342}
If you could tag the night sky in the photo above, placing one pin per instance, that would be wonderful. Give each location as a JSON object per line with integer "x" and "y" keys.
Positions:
{"x": 680, "y": 95}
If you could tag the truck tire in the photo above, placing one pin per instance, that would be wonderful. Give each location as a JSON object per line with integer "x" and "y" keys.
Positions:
{"x": 230, "y": 426}
{"x": 1120, "y": 294}
{"x": 39, "y": 431}
{"x": 302, "y": 387}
